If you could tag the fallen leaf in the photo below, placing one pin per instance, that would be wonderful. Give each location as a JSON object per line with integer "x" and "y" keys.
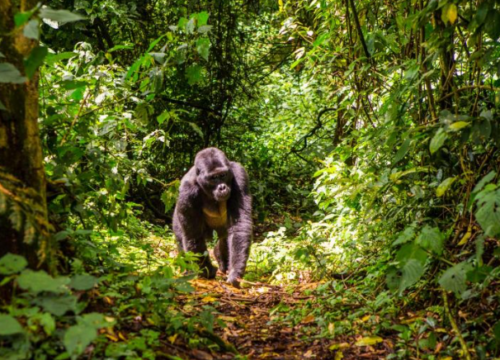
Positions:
{"x": 308, "y": 354}
{"x": 172, "y": 338}
{"x": 201, "y": 355}
{"x": 308, "y": 319}
{"x": 227, "y": 318}
{"x": 370, "y": 340}
{"x": 208, "y": 299}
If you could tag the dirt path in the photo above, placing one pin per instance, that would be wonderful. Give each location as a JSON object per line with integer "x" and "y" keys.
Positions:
{"x": 255, "y": 330}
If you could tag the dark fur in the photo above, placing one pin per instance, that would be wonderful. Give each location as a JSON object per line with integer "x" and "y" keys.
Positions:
{"x": 198, "y": 192}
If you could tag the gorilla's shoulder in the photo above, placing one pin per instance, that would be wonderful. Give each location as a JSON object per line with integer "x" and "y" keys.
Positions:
{"x": 189, "y": 185}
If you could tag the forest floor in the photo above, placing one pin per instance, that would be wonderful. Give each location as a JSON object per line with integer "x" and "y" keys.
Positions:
{"x": 257, "y": 326}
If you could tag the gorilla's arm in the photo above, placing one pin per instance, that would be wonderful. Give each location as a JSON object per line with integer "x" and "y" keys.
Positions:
{"x": 190, "y": 217}
{"x": 240, "y": 226}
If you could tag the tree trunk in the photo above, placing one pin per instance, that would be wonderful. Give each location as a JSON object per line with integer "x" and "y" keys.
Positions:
{"x": 24, "y": 228}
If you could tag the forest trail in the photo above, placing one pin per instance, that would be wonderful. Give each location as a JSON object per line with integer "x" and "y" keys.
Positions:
{"x": 262, "y": 323}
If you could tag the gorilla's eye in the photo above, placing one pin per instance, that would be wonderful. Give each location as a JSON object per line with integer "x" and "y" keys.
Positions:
{"x": 218, "y": 176}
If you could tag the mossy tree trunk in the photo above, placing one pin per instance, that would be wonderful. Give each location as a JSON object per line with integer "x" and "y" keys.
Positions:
{"x": 24, "y": 228}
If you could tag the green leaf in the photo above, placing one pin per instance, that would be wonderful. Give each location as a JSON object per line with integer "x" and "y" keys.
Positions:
{"x": 11, "y": 264}
{"x": 57, "y": 304}
{"x": 492, "y": 24}
{"x": 193, "y": 74}
{"x": 197, "y": 129}
{"x": 454, "y": 279}
{"x": 458, "y": 125}
{"x": 61, "y": 16}
{"x": 444, "y": 186}
{"x": 38, "y": 281}
{"x": 431, "y": 239}
{"x": 202, "y": 18}
{"x": 22, "y": 17}
{"x": 10, "y": 74}
{"x": 488, "y": 211}
{"x": 33, "y": 62}
{"x": 402, "y": 150}
{"x": 412, "y": 272}
{"x": 203, "y": 46}
{"x": 83, "y": 282}
{"x": 53, "y": 58}
{"x": 31, "y": 30}
{"x": 404, "y": 236}
{"x": 95, "y": 320}
{"x": 438, "y": 140}
{"x": 9, "y": 325}
{"x": 78, "y": 337}
{"x": 484, "y": 181}
{"x": 190, "y": 26}
{"x": 162, "y": 117}
{"x": 409, "y": 252}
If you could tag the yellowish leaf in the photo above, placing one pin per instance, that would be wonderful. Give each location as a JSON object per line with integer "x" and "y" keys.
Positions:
{"x": 111, "y": 337}
{"x": 331, "y": 328}
{"x": 339, "y": 355}
{"x": 365, "y": 318}
{"x": 208, "y": 299}
{"x": 308, "y": 354}
{"x": 308, "y": 319}
{"x": 227, "y": 318}
{"x": 368, "y": 341}
{"x": 172, "y": 338}
{"x": 452, "y": 13}
{"x": 466, "y": 237}
{"x": 121, "y": 336}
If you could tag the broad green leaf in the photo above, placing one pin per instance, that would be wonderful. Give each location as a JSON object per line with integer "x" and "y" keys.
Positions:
{"x": 58, "y": 304}
{"x": 454, "y": 279}
{"x": 9, "y": 325}
{"x": 162, "y": 117}
{"x": 402, "y": 150}
{"x": 61, "y": 16}
{"x": 38, "y": 281}
{"x": 492, "y": 24}
{"x": 203, "y": 46}
{"x": 404, "y": 236}
{"x": 431, "y": 239}
{"x": 458, "y": 125}
{"x": 202, "y": 18}
{"x": 444, "y": 186}
{"x": 96, "y": 320}
{"x": 78, "y": 337}
{"x": 31, "y": 30}
{"x": 10, "y": 74}
{"x": 53, "y": 58}
{"x": 393, "y": 278}
{"x": 438, "y": 140}
{"x": 412, "y": 271}
{"x": 21, "y": 18}
{"x": 83, "y": 282}
{"x": 409, "y": 252}
{"x": 33, "y": 62}
{"x": 193, "y": 74}
{"x": 11, "y": 264}
{"x": 488, "y": 211}
{"x": 479, "y": 186}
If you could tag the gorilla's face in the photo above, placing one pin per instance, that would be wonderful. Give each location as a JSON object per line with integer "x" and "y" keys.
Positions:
{"x": 214, "y": 174}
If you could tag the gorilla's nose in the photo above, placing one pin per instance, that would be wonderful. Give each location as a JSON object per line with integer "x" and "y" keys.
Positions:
{"x": 223, "y": 187}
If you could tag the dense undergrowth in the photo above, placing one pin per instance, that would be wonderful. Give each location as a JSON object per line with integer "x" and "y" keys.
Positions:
{"x": 371, "y": 134}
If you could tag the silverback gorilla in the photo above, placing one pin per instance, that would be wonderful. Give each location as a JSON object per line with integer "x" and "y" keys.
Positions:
{"x": 214, "y": 195}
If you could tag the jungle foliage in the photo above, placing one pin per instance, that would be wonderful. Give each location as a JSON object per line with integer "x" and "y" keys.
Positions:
{"x": 370, "y": 132}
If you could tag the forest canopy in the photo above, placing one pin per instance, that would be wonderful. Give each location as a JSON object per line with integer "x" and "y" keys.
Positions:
{"x": 370, "y": 134}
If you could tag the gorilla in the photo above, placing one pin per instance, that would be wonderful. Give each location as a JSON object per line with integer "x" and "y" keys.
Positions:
{"x": 214, "y": 195}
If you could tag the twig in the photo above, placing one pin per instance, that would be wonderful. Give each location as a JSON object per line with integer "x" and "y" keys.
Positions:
{"x": 455, "y": 327}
